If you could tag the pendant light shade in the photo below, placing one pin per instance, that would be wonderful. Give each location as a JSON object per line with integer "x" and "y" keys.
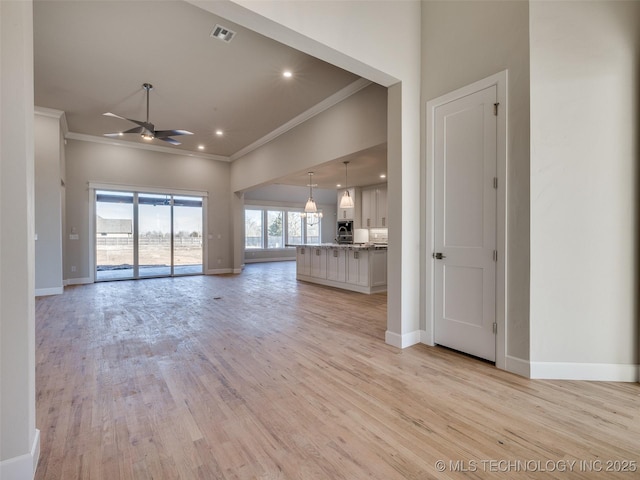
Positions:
{"x": 311, "y": 212}
{"x": 310, "y": 206}
{"x": 346, "y": 201}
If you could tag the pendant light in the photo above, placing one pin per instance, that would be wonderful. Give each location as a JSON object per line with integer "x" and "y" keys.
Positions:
{"x": 346, "y": 201}
{"x": 311, "y": 209}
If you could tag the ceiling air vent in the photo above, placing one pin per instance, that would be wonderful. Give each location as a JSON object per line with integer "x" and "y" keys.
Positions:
{"x": 222, "y": 33}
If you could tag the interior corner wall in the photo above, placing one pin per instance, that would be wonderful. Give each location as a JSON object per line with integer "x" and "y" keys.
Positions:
{"x": 19, "y": 439}
{"x": 585, "y": 168}
{"x": 120, "y": 165}
{"x": 48, "y": 206}
{"x": 463, "y": 42}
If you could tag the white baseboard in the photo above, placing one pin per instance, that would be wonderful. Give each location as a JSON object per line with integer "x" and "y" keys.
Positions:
{"x": 604, "y": 372}
{"x": 402, "y": 341}
{"x": 518, "y": 366}
{"x": 426, "y": 338}
{"x": 264, "y": 260}
{"x": 219, "y": 271}
{"x": 42, "y": 292}
{"x": 24, "y": 466}
{"x": 78, "y": 281}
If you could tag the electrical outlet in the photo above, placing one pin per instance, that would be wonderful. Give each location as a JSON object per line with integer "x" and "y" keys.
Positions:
{"x": 73, "y": 268}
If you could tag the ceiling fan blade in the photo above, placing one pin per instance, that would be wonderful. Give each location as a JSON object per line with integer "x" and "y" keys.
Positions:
{"x": 135, "y": 130}
{"x": 169, "y": 140}
{"x": 171, "y": 133}
{"x": 137, "y": 122}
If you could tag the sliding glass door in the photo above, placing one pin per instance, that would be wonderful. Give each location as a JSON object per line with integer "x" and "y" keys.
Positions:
{"x": 140, "y": 235}
{"x": 154, "y": 235}
{"x": 114, "y": 235}
{"x": 187, "y": 235}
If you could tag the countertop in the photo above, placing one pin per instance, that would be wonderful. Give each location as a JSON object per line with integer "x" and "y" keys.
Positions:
{"x": 350, "y": 246}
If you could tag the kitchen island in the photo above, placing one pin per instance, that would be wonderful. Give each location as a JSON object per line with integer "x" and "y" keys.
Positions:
{"x": 357, "y": 267}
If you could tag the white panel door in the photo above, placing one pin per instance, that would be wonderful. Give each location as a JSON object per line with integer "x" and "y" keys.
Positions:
{"x": 465, "y": 224}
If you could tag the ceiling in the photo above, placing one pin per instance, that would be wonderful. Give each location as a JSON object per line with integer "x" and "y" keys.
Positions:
{"x": 92, "y": 57}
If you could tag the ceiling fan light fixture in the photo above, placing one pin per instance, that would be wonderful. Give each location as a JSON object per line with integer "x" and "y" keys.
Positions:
{"x": 146, "y": 129}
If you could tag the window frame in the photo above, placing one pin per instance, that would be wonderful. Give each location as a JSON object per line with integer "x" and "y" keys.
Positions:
{"x": 285, "y": 227}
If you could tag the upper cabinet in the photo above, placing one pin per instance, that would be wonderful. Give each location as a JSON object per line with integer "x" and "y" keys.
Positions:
{"x": 374, "y": 207}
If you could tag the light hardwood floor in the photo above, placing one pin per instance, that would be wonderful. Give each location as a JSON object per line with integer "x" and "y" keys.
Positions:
{"x": 259, "y": 376}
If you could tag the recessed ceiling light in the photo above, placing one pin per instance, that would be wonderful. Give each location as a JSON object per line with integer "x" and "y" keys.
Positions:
{"x": 219, "y": 132}
{"x": 383, "y": 175}
{"x": 200, "y": 147}
{"x": 287, "y": 74}
{"x": 338, "y": 185}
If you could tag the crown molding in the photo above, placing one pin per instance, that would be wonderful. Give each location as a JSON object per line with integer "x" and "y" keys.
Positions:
{"x": 156, "y": 148}
{"x": 53, "y": 113}
{"x": 327, "y": 103}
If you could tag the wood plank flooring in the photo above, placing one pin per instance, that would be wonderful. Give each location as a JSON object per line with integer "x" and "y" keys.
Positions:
{"x": 259, "y": 376}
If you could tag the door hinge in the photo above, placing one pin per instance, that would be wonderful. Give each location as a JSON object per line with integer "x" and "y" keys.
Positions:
{"x": 495, "y": 255}
{"x": 495, "y": 182}
{"x": 495, "y": 327}
{"x": 495, "y": 109}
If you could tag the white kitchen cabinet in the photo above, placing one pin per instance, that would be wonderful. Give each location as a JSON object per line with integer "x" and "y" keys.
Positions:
{"x": 337, "y": 264}
{"x": 374, "y": 207}
{"x": 358, "y": 267}
{"x": 318, "y": 262}
{"x": 378, "y": 267}
{"x": 303, "y": 260}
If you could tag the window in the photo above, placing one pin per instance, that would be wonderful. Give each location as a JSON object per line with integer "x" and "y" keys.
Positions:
{"x": 253, "y": 229}
{"x": 294, "y": 228}
{"x": 267, "y": 228}
{"x": 275, "y": 224}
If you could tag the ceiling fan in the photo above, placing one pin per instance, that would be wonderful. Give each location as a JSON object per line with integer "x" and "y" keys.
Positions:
{"x": 147, "y": 129}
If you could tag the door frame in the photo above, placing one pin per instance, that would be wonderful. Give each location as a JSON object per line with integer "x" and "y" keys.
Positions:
{"x": 500, "y": 81}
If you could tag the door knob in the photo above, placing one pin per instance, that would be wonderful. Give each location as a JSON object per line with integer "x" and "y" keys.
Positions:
{"x": 439, "y": 256}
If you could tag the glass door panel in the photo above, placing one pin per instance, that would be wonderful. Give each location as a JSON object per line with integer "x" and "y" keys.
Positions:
{"x": 154, "y": 235}
{"x": 114, "y": 235}
{"x": 187, "y": 235}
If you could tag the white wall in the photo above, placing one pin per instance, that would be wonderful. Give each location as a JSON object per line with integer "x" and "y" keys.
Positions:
{"x": 585, "y": 94}
{"x": 19, "y": 439}
{"x": 466, "y": 41}
{"x": 103, "y": 163}
{"x": 48, "y": 203}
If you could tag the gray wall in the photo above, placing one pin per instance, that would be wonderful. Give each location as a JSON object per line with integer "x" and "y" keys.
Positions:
{"x": 585, "y": 149}
{"x": 49, "y": 162}
{"x": 356, "y": 123}
{"x": 466, "y": 41}
{"x": 102, "y": 163}
{"x": 19, "y": 438}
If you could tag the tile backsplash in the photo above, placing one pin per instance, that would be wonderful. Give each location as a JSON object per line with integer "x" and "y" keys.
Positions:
{"x": 378, "y": 235}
